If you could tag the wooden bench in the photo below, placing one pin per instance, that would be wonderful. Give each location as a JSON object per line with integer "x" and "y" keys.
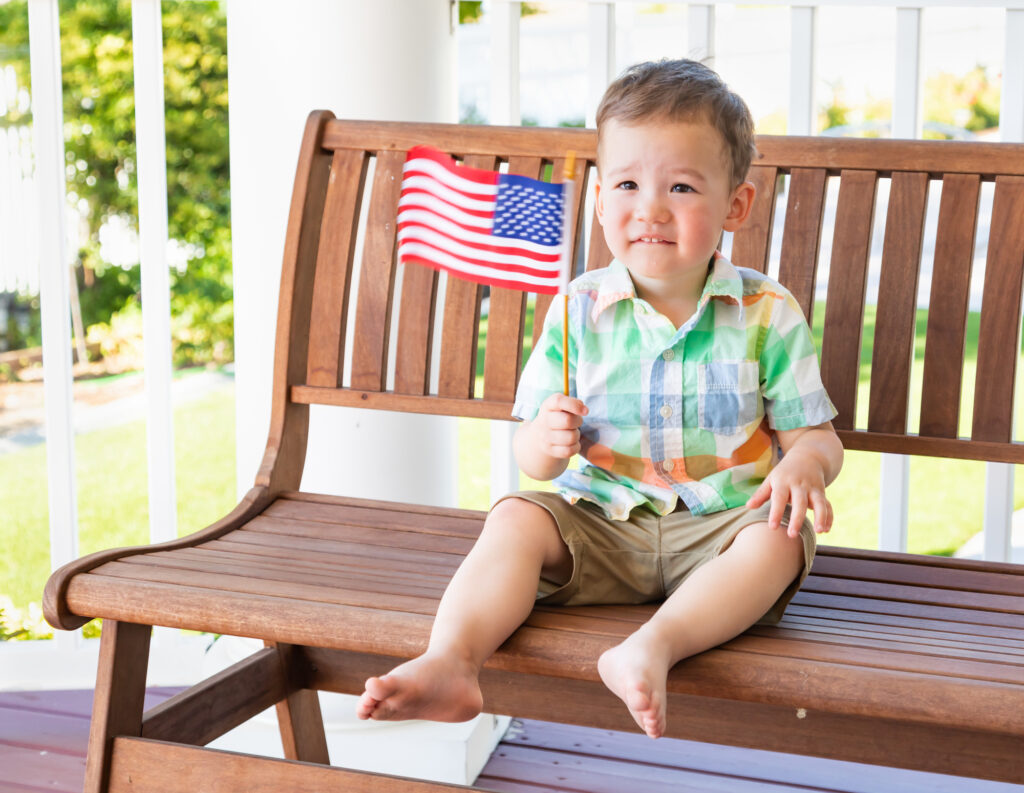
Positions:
{"x": 884, "y": 658}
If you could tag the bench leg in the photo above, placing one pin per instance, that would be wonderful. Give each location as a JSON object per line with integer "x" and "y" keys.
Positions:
{"x": 118, "y": 700}
{"x": 298, "y": 714}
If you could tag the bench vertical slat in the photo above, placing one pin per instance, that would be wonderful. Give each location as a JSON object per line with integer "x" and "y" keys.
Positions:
{"x": 329, "y": 315}
{"x": 847, "y": 287}
{"x": 598, "y": 255}
{"x": 579, "y": 193}
{"x": 504, "y": 353}
{"x": 893, "y": 349}
{"x": 377, "y": 279}
{"x": 752, "y": 243}
{"x": 415, "y": 329}
{"x": 285, "y": 453}
{"x": 999, "y": 335}
{"x": 948, "y": 305}
{"x": 802, "y": 236}
{"x": 461, "y": 329}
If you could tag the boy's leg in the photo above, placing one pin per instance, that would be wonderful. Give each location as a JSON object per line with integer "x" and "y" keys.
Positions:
{"x": 718, "y": 601}
{"x": 490, "y": 595}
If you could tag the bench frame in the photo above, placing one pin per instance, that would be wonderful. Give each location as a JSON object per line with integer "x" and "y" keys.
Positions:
{"x": 849, "y": 695}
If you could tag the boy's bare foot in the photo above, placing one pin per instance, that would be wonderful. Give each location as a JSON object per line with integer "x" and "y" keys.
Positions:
{"x": 635, "y": 671}
{"x": 436, "y": 687}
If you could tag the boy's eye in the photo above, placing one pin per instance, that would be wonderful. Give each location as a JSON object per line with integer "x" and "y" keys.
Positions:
{"x": 627, "y": 185}
{"x": 682, "y": 188}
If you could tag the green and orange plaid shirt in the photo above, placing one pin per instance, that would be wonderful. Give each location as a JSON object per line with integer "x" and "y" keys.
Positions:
{"x": 687, "y": 413}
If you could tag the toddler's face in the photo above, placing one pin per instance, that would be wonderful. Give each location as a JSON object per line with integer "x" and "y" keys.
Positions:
{"x": 664, "y": 195}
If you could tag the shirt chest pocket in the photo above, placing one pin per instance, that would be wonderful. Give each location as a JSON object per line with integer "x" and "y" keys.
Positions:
{"x": 728, "y": 396}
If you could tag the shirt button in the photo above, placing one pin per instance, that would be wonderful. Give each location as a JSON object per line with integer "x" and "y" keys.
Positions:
{"x": 668, "y": 465}
{"x": 666, "y": 411}
{"x": 668, "y": 355}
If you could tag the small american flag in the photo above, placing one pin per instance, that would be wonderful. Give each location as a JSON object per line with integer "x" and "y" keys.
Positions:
{"x": 485, "y": 226}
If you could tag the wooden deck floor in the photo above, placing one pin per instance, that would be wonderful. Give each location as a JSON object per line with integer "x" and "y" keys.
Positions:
{"x": 43, "y": 737}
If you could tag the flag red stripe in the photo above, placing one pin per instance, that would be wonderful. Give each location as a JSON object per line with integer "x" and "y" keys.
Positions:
{"x": 505, "y": 283}
{"x": 537, "y": 272}
{"x": 507, "y": 250}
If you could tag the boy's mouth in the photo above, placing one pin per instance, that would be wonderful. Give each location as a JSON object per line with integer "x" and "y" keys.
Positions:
{"x": 653, "y": 240}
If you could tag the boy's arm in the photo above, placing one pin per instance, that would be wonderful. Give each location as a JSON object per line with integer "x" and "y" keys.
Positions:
{"x": 544, "y": 445}
{"x": 812, "y": 457}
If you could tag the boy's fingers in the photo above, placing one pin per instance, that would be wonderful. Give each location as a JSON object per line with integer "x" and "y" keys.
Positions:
{"x": 760, "y": 495}
{"x": 779, "y": 501}
{"x": 567, "y": 404}
{"x": 797, "y": 512}
{"x": 822, "y": 512}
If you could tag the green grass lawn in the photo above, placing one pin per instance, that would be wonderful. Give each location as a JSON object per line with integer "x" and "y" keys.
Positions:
{"x": 110, "y": 467}
{"x": 946, "y": 496}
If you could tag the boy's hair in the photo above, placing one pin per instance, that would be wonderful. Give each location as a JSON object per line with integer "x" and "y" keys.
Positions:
{"x": 682, "y": 90}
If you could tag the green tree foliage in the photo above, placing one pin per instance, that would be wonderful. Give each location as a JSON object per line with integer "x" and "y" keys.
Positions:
{"x": 99, "y": 124}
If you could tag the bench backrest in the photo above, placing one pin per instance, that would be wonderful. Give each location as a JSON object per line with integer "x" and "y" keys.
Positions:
{"x": 354, "y": 329}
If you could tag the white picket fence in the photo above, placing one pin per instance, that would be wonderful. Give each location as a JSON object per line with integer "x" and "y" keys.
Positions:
{"x": 598, "y": 23}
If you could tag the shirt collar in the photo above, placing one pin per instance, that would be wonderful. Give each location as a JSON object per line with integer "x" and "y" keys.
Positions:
{"x": 724, "y": 281}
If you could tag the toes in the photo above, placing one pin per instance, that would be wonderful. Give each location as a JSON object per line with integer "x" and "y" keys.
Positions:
{"x": 381, "y": 687}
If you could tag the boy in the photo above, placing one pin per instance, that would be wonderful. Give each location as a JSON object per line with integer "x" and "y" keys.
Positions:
{"x": 689, "y": 378}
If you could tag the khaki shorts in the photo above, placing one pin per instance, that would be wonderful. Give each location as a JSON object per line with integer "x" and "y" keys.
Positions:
{"x": 646, "y": 557}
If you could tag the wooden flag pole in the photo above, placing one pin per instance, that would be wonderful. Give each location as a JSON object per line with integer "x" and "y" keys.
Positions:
{"x": 567, "y": 240}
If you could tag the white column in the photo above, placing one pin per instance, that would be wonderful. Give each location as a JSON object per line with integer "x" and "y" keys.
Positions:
{"x": 48, "y": 137}
{"x": 998, "y": 520}
{"x": 151, "y": 146}
{"x": 701, "y": 33}
{"x": 906, "y": 102}
{"x": 1011, "y": 105}
{"x": 601, "y": 58}
{"x": 505, "y": 62}
{"x": 801, "y": 69}
{"x": 382, "y": 60}
{"x": 894, "y": 488}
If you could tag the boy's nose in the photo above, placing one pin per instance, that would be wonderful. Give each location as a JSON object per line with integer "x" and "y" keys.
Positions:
{"x": 650, "y": 208}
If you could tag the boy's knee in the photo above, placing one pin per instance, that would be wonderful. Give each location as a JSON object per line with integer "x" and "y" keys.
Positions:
{"x": 528, "y": 524}
{"x": 762, "y": 538}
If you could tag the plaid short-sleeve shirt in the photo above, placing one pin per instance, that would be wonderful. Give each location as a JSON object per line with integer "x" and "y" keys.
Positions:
{"x": 684, "y": 413}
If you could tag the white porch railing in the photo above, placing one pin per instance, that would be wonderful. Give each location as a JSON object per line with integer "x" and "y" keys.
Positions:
{"x": 504, "y": 15}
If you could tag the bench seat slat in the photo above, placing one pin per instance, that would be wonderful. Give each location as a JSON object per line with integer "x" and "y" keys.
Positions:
{"x": 373, "y": 534}
{"x": 943, "y": 633}
{"x": 393, "y": 515}
{"x": 916, "y": 594}
{"x": 264, "y": 567}
{"x": 975, "y": 632}
{"x": 826, "y": 599}
{"x": 867, "y": 570}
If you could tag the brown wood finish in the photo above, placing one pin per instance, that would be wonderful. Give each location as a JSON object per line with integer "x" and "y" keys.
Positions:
{"x": 141, "y": 766}
{"x": 897, "y": 304}
{"x": 948, "y": 304}
{"x": 120, "y": 691}
{"x": 847, "y": 287}
{"x": 340, "y": 227}
{"x": 890, "y": 658}
{"x": 298, "y": 714}
{"x": 999, "y": 336}
{"x": 461, "y": 324}
{"x": 752, "y": 243}
{"x": 377, "y": 278}
{"x": 802, "y": 236}
{"x": 504, "y": 350}
{"x": 206, "y": 711}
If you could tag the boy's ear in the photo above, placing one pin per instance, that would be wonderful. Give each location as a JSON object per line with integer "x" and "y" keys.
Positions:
{"x": 598, "y": 203}
{"x": 740, "y": 204}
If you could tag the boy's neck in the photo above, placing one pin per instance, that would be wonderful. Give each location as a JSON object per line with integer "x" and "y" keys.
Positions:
{"x": 676, "y": 298}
